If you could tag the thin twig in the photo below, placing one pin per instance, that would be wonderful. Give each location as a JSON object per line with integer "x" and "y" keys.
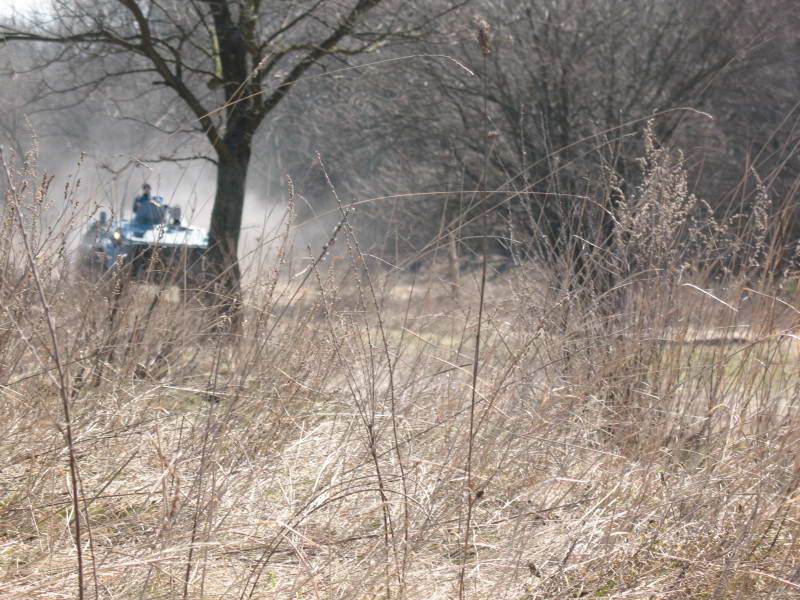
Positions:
{"x": 63, "y": 383}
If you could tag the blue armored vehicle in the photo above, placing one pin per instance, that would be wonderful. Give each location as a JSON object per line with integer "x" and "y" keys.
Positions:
{"x": 152, "y": 245}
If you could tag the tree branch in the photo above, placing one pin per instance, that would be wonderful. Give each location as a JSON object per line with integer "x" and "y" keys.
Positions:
{"x": 148, "y": 49}
{"x": 345, "y": 28}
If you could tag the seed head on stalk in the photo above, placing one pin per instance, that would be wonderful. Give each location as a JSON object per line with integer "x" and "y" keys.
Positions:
{"x": 484, "y": 35}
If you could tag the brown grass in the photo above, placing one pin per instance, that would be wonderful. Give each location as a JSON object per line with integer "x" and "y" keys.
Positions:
{"x": 321, "y": 451}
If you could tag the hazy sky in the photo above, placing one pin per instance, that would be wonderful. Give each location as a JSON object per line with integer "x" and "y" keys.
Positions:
{"x": 8, "y": 7}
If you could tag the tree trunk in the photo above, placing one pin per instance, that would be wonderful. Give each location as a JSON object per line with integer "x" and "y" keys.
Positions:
{"x": 226, "y": 221}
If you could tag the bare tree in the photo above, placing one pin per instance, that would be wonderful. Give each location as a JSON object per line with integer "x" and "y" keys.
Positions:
{"x": 566, "y": 90}
{"x": 567, "y": 84}
{"x": 228, "y": 62}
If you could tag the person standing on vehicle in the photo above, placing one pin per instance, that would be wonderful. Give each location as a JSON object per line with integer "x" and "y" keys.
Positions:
{"x": 145, "y": 198}
{"x": 148, "y": 209}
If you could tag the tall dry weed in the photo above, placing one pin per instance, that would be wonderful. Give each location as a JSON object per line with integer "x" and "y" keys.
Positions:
{"x": 637, "y": 439}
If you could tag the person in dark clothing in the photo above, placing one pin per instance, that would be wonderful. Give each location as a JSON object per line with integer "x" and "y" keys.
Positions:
{"x": 148, "y": 209}
{"x": 145, "y": 198}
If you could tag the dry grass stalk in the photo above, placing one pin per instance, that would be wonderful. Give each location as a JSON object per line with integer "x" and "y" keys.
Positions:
{"x": 321, "y": 452}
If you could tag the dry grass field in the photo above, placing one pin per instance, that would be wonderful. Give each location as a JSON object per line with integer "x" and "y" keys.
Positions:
{"x": 348, "y": 441}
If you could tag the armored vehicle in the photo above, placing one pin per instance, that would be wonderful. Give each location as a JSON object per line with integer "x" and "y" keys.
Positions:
{"x": 154, "y": 244}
